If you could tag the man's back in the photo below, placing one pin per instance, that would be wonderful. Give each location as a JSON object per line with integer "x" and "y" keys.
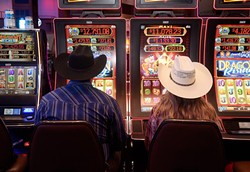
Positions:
{"x": 81, "y": 101}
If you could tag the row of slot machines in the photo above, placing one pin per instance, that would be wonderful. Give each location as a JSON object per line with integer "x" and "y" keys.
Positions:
{"x": 159, "y": 40}
{"x": 137, "y": 88}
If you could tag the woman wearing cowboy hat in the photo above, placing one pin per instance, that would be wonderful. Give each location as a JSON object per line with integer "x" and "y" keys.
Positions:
{"x": 186, "y": 83}
{"x": 79, "y": 100}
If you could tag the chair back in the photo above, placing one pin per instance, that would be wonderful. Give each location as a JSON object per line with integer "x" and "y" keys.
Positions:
{"x": 65, "y": 146}
{"x": 186, "y": 146}
{"x": 6, "y": 149}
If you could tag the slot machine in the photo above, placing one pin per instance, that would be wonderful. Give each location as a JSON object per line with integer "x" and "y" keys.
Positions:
{"x": 22, "y": 53}
{"x": 105, "y": 36}
{"x": 227, "y": 53}
{"x": 21, "y": 71}
{"x": 155, "y": 41}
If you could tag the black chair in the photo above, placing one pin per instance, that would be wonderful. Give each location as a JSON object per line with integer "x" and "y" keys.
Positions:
{"x": 9, "y": 161}
{"x": 65, "y": 146}
{"x": 6, "y": 151}
{"x": 186, "y": 146}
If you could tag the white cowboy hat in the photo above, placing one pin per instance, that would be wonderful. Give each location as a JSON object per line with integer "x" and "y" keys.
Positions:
{"x": 185, "y": 78}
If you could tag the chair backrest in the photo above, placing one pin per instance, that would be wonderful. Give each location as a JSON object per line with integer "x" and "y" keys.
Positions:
{"x": 65, "y": 146}
{"x": 6, "y": 149}
{"x": 186, "y": 146}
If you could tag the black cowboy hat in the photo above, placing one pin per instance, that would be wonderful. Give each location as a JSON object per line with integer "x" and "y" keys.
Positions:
{"x": 80, "y": 64}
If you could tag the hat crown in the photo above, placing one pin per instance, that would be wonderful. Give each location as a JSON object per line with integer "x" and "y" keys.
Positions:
{"x": 81, "y": 58}
{"x": 80, "y": 64}
{"x": 183, "y": 71}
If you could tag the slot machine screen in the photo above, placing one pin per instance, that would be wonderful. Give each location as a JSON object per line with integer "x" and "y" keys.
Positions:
{"x": 155, "y": 41}
{"x": 170, "y": 4}
{"x": 18, "y": 72}
{"x": 227, "y": 57}
{"x": 18, "y": 80}
{"x": 231, "y": 4}
{"x": 87, "y": 4}
{"x": 105, "y": 36}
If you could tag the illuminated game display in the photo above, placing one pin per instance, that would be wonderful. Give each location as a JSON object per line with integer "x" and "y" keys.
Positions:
{"x": 158, "y": 41}
{"x": 232, "y": 4}
{"x": 159, "y": 44}
{"x": 169, "y": 4}
{"x": 232, "y": 74}
{"x": 20, "y": 74}
{"x": 16, "y": 46}
{"x": 17, "y": 80}
{"x": 102, "y": 40}
{"x": 105, "y": 36}
{"x": 230, "y": 65}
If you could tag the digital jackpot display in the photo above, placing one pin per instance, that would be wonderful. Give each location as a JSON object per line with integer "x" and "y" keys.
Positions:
{"x": 232, "y": 67}
{"x": 102, "y": 39}
{"x": 159, "y": 44}
{"x": 17, "y": 47}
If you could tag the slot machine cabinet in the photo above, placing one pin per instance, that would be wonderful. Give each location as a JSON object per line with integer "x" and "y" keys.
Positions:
{"x": 105, "y": 36}
{"x": 21, "y": 73}
{"x": 227, "y": 57}
{"x": 97, "y": 24}
{"x": 154, "y": 41}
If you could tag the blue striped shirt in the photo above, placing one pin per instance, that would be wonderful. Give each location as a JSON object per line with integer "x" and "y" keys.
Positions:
{"x": 81, "y": 101}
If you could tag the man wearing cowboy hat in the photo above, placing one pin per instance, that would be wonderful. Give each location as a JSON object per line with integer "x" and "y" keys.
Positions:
{"x": 79, "y": 100}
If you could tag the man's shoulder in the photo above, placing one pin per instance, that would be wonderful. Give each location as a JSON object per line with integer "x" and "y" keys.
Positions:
{"x": 53, "y": 94}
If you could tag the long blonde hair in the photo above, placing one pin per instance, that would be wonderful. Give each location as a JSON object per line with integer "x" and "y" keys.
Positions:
{"x": 175, "y": 107}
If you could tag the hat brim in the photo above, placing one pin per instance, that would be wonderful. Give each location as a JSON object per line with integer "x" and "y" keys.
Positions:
{"x": 201, "y": 86}
{"x": 62, "y": 68}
